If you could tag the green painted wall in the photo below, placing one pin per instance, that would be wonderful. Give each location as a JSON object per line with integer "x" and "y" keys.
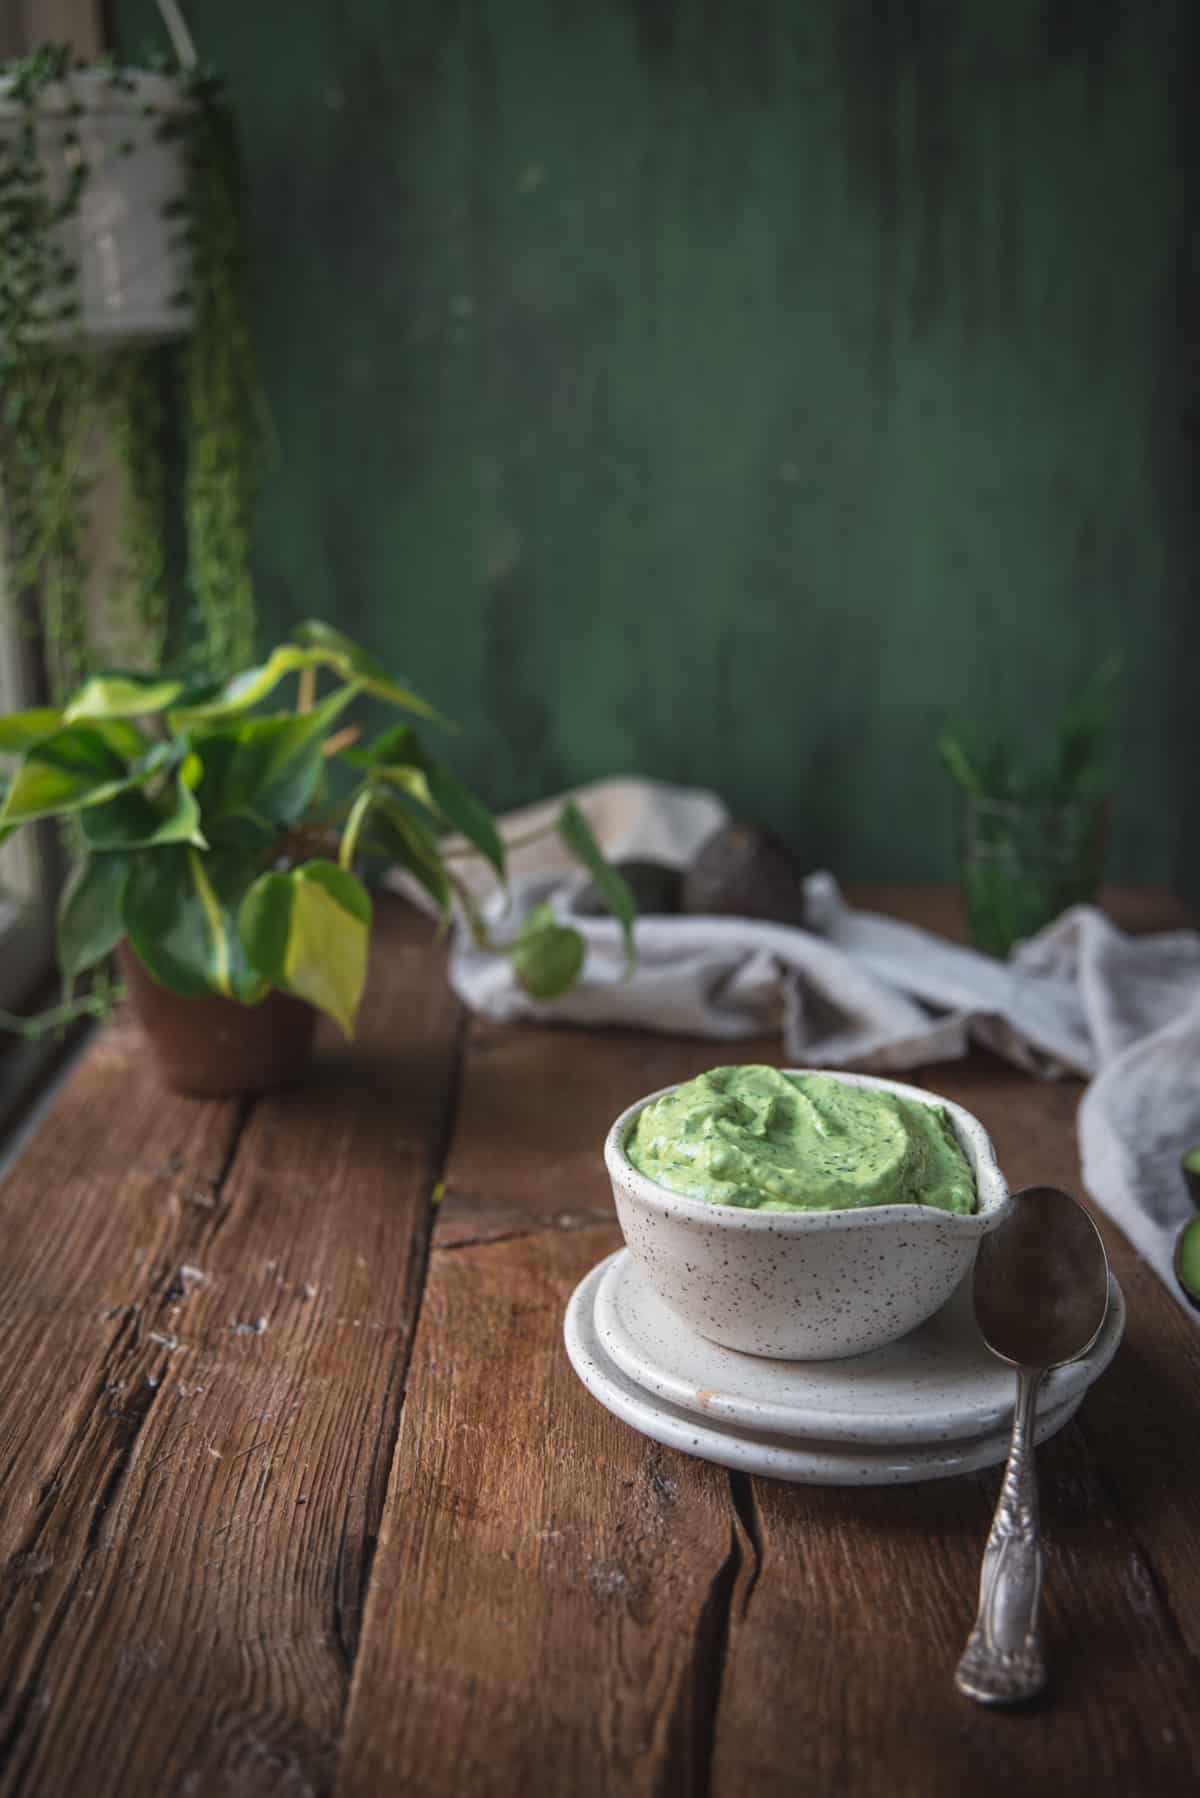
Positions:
{"x": 726, "y": 391}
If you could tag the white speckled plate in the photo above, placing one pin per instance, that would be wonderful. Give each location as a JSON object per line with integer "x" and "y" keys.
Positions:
{"x": 848, "y": 1451}
{"x": 939, "y": 1383}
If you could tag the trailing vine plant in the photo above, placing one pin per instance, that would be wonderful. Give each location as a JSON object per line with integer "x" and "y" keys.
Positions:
{"x": 224, "y": 410}
{"x": 45, "y": 396}
{"x": 49, "y": 407}
{"x": 134, "y": 413}
{"x": 60, "y": 394}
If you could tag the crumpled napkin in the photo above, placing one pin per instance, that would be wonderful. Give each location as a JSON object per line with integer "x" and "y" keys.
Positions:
{"x": 853, "y": 989}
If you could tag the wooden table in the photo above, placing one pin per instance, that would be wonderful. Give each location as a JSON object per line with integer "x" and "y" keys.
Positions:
{"x": 302, "y": 1496}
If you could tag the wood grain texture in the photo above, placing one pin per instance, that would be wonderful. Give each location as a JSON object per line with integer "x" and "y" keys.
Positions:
{"x": 186, "y": 1617}
{"x": 112, "y": 1196}
{"x": 550, "y": 1588}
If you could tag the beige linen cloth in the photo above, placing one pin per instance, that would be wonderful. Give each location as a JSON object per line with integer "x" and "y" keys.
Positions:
{"x": 857, "y": 990}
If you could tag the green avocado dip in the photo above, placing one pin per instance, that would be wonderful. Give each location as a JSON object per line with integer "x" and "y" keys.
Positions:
{"x": 752, "y": 1136}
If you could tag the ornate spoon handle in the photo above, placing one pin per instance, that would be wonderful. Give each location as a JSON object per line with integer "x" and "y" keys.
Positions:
{"x": 1002, "y": 1662}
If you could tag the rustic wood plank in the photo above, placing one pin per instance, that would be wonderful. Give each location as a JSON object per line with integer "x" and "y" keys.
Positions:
{"x": 197, "y": 1616}
{"x": 550, "y": 1588}
{"x": 107, "y": 1201}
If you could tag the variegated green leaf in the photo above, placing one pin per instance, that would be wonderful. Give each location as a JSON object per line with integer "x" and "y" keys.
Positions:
{"x": 180, "y": 909}
{"x": 90, "y": 922}
{"x": 402, "y": 828}
{"x": 21, "y": 730}
{"x": 250, "y": 689}
{"x": 307, "y": 932}
{"x": 78, "y": 766}
{"x": 465, "y": 813}
{"x": 133, "y": 821}
{"x": 576, "y": 833}
{"x": 354, "y": 662}
{"x": 400, "y": 746}
{"x": 265, "y": 769}
{"x": 122, "y": 696}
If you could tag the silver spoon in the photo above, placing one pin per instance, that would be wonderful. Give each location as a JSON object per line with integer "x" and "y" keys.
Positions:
{"x": 1041, "y": 1294}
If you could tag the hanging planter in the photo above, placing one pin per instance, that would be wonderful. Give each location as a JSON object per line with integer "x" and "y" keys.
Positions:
{"x": 121, "y": 229}
{"x": 96, "y": 159}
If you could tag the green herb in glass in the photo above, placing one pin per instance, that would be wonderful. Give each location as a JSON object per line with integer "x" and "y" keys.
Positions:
{"x": 1033, "y": 834}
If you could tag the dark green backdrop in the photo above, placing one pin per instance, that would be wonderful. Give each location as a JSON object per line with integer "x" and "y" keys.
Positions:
{"x": 725, "y": 391}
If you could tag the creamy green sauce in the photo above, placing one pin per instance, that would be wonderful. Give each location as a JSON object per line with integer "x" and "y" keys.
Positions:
{"x": 752, "y": 1136}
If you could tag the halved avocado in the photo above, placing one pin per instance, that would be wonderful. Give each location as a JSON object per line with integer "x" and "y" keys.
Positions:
{"x": 1191, "y": 1173}
{"x": 1187, "y": 1260}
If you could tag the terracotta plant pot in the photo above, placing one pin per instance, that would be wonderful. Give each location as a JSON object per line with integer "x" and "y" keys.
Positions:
{"x": 215, "y": 1046}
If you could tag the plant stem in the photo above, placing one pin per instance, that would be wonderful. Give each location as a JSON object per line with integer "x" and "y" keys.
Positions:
{"x": 469, "y": 851}
{"x": 88, "y": 1005}
{"x": 342, "y": 739}
{"x": 354, "y": 824}
{"x": 466, "y": 898}
{"x": 306, "y": 691}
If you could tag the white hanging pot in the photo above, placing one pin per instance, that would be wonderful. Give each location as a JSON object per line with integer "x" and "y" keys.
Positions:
{"x": 123, "y": 241}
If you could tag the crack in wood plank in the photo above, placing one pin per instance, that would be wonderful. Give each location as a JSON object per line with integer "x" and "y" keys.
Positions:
{"x": 692, "y": 1733}
{"x": 347, "y": 1621}
{"x": 507, "y": 1226}
{"x": 749, "y": 1523}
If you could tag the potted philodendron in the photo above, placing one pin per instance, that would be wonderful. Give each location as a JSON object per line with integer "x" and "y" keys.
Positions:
{"x": 220, "y": 846}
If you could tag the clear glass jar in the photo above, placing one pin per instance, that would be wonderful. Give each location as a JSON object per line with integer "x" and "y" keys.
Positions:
{"x": 1023, "y": 864}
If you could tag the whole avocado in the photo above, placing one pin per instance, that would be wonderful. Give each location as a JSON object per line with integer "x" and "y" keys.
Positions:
{"x": 745, "y": 871}
{"x": 654, "y": 885}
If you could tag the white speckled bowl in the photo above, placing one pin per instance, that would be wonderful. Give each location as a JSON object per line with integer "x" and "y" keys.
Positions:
{"x": 805, "y": 1285}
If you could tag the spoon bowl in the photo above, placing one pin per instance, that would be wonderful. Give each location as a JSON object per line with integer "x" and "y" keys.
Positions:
{"x": 1041, "y": 1281}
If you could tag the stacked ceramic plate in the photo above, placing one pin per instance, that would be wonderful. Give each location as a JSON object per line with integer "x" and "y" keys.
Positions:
{"x": 934, "y": 1403}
